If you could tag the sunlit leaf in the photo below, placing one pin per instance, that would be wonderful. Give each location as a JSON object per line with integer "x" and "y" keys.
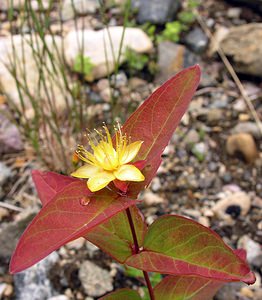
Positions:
{"x": 156, "y": 119}
{"x": 115, "y": 237}
{"x": 64, "y": 219}
{"x": 179, "y": 246}
{"x": 186, "y": 288}
{"x": 123, "y": 294}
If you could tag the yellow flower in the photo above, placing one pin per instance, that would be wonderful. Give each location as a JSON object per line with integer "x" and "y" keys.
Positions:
{"x": 108, "y": 163}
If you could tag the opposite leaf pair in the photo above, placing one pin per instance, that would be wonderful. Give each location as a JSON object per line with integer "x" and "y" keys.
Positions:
{"x": 193, "y": 256}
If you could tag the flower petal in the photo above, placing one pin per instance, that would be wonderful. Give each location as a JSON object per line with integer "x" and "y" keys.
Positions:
{"x": 100, "y": 180}
{"x": 129, "y": 173}
{"x": 86, "y": 171}
{"x": 130, "y": 152}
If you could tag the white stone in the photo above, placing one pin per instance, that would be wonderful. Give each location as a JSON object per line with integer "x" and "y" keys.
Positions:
{"x": 31, "y": 69}
{"x": 79, "y": 6}
{"x": 101, "y": 51}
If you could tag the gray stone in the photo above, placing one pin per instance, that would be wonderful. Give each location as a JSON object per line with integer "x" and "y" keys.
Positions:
{"x": 157, "y": 12}
{"x": 253, "y": 249}
{"x": 192, "y": 137}
{"x": 59, "y": 297}
{"x": 229, "y": 291}
{"x": 5, "y": 173}
{"x": 10, "y": 139}
{"x": 172, "y": 58}
{"x": 196, "y": 40}
{"x": 11, "y": 232}
{"x": 247, "y": 127}
{"x": 97, "y": 43}
{"x": 240, "y": 47}
{"x": 215, "y": 115}
{"x": 34, "y": 283}
{"x": 96, "y": 281}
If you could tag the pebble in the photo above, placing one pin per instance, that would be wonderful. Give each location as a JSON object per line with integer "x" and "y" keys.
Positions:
{"x": 152, "y": 199}
{"x": 95, "y": 280}
{"x": 155, "y": 184}
{"x": 242, "y": 143}
{"x": 231, "y": 206}
{"x": 253, "y": 249}
{"x": 192, "y": 137}
{"x": 196, "y": 40}
{"x": 247, "y": 127}
{"x": 59, "y": 297}
{"x": 3, "y": 213}
{"x": 215, "y": 115}
{"x": 34, "y": 283}
{"x": 5, "y": 173}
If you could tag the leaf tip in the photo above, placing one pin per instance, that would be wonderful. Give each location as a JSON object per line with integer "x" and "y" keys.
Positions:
{"x": 250, "y": 278}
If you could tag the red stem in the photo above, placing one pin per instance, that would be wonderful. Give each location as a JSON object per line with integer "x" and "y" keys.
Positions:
{"x": 136, "y": 246}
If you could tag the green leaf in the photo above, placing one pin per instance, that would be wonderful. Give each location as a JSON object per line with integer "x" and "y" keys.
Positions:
{"x": 115, "y": 237}
{"x": 179, "y": 246}
{"x": 123, "y": 294}
{"x": 186, "y": 288}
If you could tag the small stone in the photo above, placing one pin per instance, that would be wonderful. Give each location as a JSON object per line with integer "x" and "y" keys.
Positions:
{"x": 247, "y": 127}
{"x": 155, "y": 184}
{"x": 258, "y": 294}
{"x": 3, "y": 213}
{"x": 10, "y": 138}
{"x": 120, "y": 80}
{"x": 91, "y": 248}
{"x": 234, "y": 12}
{"x": 76, "y": 244}
{"x": 204, "y": 221}
{"x": 5, "y": 173}
{"x": 232, "y": 206}
{"x": 247, "y": 292}
{"x": 253, "y": 249}
{"x": 229, "y": 291}
{"x": 155, "y": 11}
{"x": 81, "y": 7}
{"x": 242, "y": 143}
{"x": 152, "y": 199}
{"x": 200, "y": 151}
{"x": 8, "y": 290}
{"x": 172, "y": 58}
{"x": 95, "y": 281}
{"x": 215, "y": 115}
{"x": 135, "y": 83}
{"x": 34, "y": 283}
{"x": 196, "y": 40}
{"x": 59, "y": 297}
{"x": 192, "y": 137}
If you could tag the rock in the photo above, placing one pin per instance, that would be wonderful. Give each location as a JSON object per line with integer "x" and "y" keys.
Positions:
{"x": 81, "y": 7}
{"x": 157, "y": 12}
{"x": 247, "y": 127}
{"x": 244, "y": 144}
{"x": 239, "y": 45}
{"x": 31, "y": 69}
{"x": 196, "y": 40}
{"x": 229, "y": 291}
{"x": 258, "y": 295}
{"x": 10, "y": 139}
{"x": 220, "y": 33}
{"x": 33, "y": 283}
{"x": 136, "y": 83}
{"x": 172, "y": 58}
{"x": 234, "y": 12}
{"x": 200, "y": 151}
{"x": 5, "y": 173}
{"x": 253, "y": 249}
{"x": 2, "y": 289}
{"x": 192, "y": 137}
{"x": 59, "y": 297}
{"x": 3, "y": 212}
{"x": 95, "y": 280}
{"x": 215, "y": 115}
{"x": 97, "y": 43}
{"x": 11, "y": 232}
{"x": 232, "y": 206}
{"x": 152, "y": 199}
{"x": 18, "y": 4}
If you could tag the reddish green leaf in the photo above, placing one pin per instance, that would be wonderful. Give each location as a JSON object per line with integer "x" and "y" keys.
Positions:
{"x": 115, "y": 237}
{"x": 64, "y": 219}
{"x": 49, "y": 183}
{"x": 186, "y": 288}
{"x": 178, "y": 246}
{"x": 156, "y": 119}
{"x": 123, "y": 294}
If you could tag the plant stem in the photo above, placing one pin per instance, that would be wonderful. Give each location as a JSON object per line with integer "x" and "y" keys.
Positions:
{"x": 136, "y": 248}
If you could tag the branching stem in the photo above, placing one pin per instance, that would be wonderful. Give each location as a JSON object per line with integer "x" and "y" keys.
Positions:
{"x": 136, "y": 249}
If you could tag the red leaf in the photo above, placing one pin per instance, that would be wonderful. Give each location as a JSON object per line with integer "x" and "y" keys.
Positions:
{"x": 64, "y": 219}
{"x": 178, "y": 246}
{"x": 115, "y": 237}
{"x": 122, "y": 294}
{"x": 156, "y": 119}
{"x": 49, "y": 183}
{"x": 186, "y": 288}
